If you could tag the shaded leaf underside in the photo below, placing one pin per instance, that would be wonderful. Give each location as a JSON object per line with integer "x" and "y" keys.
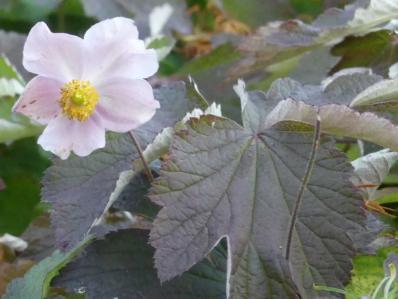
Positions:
{"x": 121, "y": 266}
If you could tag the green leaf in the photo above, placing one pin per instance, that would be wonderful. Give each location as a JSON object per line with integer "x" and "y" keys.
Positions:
{"x": 380, "y": 96}
{"x": 14, "y": 126}
{"x": 257, "y": 12}
{"x": 121, "y": 266}
{"x": 8, "y": 71}
{"x": 371, "y": 170}
{"x": 223, "y": 54}
{"x": 163, "y": 45}
{"x": 224, "y": 180}
{"x": 35, "y": 283}
{"x": 11, "y": 46}
{"x": 10, "y": 88}
{"x": 11, "y": 82}
{"x": 308, "y": 7}
{"x": 210, "y": 72}
{"x": 375, "y": 50}
{"x": 279, "y": 41}
{"x": 79, "y": 189}
{"x": 28, "y": 10}
{"x": 21, "y": 167}
{"x": 387, "y": 196}
{"x": 299, "y": 105}
{"x": 367, "y": 273}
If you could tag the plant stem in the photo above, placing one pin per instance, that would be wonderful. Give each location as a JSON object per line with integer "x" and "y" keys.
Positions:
{"x": 141, "y": 153}
{"x": 61, "y": 16}
{"x": 306, "y": 178}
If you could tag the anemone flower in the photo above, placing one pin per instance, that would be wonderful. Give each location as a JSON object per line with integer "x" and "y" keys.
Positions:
{"x": 85, "y": 86}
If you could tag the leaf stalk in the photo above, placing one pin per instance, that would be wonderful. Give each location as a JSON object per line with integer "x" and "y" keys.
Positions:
{"x": 306, "y": 178}
{"x": 141, "y": 153}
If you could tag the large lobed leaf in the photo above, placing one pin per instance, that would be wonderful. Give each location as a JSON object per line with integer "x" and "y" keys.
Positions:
{"x": 225, "y": 181}
{"x": 79, "y": 189}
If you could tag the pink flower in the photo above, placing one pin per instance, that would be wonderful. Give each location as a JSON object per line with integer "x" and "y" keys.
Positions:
{"x": 86, "y": 86}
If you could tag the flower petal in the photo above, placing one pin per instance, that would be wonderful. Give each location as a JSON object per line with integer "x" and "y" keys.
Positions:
{"x": 63, "y": 135}
{"x": 39, "y": 100}
{"x": 54, "y": 55}
{"x": 127, "y": 66}
{"x": 113, "y": 50}
{"x": 111, "y": 30}
{"x": 125, "y": 104}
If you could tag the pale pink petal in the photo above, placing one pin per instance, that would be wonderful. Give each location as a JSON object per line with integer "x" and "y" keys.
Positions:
{"x": 129, "y": 66}
{"x": 125, "y": 104}
{"x": 63, "y": 136}
{"x": 39, "y": 100}
{"x": 110, "y": 30}
{"x": 54, "y": 55}
{"x": 113, "y": 50}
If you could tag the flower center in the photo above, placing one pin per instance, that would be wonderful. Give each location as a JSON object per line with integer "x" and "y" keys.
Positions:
{"x": 78, "y": 100}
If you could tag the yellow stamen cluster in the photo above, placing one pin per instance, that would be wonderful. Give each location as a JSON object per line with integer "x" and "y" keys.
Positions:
{"x": 78, "y": 100}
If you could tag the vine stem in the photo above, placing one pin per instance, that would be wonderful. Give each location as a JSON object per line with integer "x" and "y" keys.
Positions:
{"x": 306, "y": 178}
{"x": 141, "y": 153}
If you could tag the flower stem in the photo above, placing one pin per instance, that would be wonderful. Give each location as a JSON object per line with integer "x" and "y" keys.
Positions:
{"x": 141, "y": 153}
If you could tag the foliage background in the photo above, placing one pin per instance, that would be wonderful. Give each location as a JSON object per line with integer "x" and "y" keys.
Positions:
{"x": 202, "y": 39}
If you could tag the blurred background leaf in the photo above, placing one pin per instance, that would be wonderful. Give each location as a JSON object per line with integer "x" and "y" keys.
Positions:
{"x": 22, "y": 164}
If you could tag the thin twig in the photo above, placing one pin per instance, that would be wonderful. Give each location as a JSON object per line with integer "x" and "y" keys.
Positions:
{"x": 141, "y": 153}
{"x": 306, "y": 178}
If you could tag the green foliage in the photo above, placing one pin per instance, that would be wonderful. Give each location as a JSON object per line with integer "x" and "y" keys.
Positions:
{"x": 220, "y": 56}
{"x": 28, "y": 10}
{"x": 226, "y": 185}
{"x": 308, "y": 7}
{"x": 36, "y": 282}
{"x": 14, "y": 126}
{"x": 163, "y": 45}
{"x": 367, "y": 273}
{"x": 256, "y": 12}
{"x": 371, "y": 170}
{"x": 22, "y": 164}
{"x": 280, "y": 41}
{"x": 8, "y": 71}
{"x": 376, "y": 50}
